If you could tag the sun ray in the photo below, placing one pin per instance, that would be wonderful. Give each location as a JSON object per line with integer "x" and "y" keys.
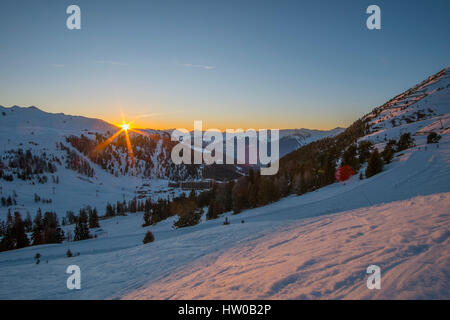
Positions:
{"x": 124, "y": 127}
{"x": 130, "y": 149}
{"x": 103, "y": 145}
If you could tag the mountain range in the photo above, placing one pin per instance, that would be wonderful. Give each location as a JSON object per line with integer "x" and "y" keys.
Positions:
{"x": 315, "y": 241}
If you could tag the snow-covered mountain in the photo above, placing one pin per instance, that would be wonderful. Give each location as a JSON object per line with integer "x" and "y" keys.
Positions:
{"x": 309, "y": 247}
{"x": 66, "y": 168}
{"x": 17, "y": 118}
{"x": 292, "y": 139}
{"x": 289, "y": 139}
{"x": 314, "y": 246}
{"x": 419, "y": 110}
{"x": 38, "y": 131}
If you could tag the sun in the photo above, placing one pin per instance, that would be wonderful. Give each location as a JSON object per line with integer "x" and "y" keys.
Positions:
{"x": 125, "y": 126}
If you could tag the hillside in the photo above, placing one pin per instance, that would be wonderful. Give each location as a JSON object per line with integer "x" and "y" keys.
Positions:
{"x": 300, "y": 235}
{"x": 328, "y": 235}
{"x": 78, "y": 177}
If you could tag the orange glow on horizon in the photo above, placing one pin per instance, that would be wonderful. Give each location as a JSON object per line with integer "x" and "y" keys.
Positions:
{"x": 221, "y": 125}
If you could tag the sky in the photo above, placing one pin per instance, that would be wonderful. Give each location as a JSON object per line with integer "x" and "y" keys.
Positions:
{"x": 232, "y": 64}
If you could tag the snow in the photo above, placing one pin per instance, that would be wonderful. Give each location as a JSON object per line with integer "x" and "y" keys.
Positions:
{"x": 431, "y": 98}
{"x": 312, "y": 246}
{"x": 327, "y": 258}
{"x": 38, "y": 131}
{"x": 34, "y": 118}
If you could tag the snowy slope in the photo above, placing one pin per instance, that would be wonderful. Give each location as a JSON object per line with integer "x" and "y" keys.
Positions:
{"x": 412, "y": 193}
{"x": 317, "y": 245}
{"x": 288, "y": 140}
{"x": 293, "y": 139}
{"x": 326, "y": 257}
{"x": 31, "y": 128}
{"x": 419, "y": 110}
{"x": 32, "y": 117}
{"x": 40, "y": 132}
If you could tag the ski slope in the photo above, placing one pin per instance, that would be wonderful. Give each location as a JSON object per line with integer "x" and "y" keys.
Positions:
{"x": 317, "y": 245}
{"x": 326, "y": 258}
{"x": 314, "y": 246}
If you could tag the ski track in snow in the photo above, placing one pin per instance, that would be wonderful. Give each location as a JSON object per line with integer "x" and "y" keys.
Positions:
{"x": 327, "y": 258}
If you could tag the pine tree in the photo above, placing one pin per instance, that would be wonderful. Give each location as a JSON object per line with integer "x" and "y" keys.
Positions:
{"x": 329, "y": 171}
{"x": 253, "y": 195}
{"x": 211, "y": 214}
{"x": 28, "y": 223}
{"x": 228, "y": 201}
{"x": 36, "y": 236}
{"x": 405, "y": 142}
{"x": 375, "y": 164}
{"x": 2, "y": 228}
{"x": 433, "y": 137}
{"x": 147, "y": 218}
{"x": 147, "y": 205}
{"x": 14, "y": 236}
{"x": 19, "y": 235}
{"x": 349, "y": 157}
{"x": 387, "y": 154}
{"x": 297, "y": 184}
{"x": 283, "y": 184}
{"x": 83, "y": 217}
{"x": 266, "y": 191}
{"x": 7, "y": 242}
{"x": 364, "y": 149}
{"x": 190, "y": 218}
{"x": 93, "y": 219}
{"x": 239, "y": 195}
{"x": 71, "y": 218}
{"x": 251, "y": 175}
{"x": 81, "y": 231}
{"x": 52, "y": 231}
{"x": 149, "y": 237}
{"x": 192, "y": 195}
{"x": 110, "y": 211}
{"x": 9, "y": 219}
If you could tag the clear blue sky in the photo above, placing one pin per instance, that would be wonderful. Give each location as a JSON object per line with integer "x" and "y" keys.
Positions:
{"x": 247, "y": 63}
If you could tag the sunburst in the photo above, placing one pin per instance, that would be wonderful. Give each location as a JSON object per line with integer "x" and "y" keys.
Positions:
{"x": 124, "y": 127}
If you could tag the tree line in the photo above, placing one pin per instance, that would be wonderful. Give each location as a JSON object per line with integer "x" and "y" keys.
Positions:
{"x": 311, "y": 167}
{"x": 16, "y": 233}
{"x": 27, "y": 166}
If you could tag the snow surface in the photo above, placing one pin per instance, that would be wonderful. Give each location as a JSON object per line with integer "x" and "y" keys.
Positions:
{"x": 39, "y": 131}
{"x": 313, "y": 246}
{"x": 327, "y": 258}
